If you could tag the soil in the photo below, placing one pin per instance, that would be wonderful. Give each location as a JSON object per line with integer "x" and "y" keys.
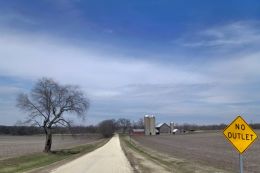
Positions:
{"x": 13, "y": 146}
{"x": 209, "y": 149}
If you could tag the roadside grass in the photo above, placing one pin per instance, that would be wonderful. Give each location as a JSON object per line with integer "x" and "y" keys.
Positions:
{"x": 32, "y": 161}
{"x": 132, "y": 145}
{"x": 132, "y": 160}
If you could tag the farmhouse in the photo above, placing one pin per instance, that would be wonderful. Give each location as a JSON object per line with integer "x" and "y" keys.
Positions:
{"x": 163, "y": 128}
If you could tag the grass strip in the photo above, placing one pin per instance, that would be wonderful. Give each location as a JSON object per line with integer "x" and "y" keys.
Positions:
{"x": 132, "y": 160}
{"x": 28, "y": 162}
{"x": 133, "y": 146}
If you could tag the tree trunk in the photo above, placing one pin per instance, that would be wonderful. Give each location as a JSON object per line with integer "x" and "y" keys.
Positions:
{"x": 48, "y": 141}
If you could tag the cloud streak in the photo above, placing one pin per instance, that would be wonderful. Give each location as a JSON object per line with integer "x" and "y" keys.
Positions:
{"x": 234, "y": 34}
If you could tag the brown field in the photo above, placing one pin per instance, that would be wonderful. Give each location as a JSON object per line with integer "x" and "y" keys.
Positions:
{"x": 12, "y": 146}
{"x": 210, "y": 149}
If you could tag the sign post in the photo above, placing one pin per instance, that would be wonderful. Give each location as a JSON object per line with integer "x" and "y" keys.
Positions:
{"x": 241, "y": 163}
{"x": 241, "y": 136}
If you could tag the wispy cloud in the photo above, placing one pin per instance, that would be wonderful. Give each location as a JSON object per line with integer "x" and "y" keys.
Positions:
{"x": 241, "y": 33}
{"x": 36, "y": 56}
{"x": 11, "y": 19}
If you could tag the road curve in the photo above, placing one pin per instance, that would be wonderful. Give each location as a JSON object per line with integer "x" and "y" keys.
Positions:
{"x": 109, "y": 158}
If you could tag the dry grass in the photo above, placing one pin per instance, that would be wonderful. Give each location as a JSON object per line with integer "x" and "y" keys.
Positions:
{"x": 140, "y": 161}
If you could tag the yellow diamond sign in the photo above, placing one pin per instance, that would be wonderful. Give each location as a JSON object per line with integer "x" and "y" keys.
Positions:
{"x": 240, "y": 134}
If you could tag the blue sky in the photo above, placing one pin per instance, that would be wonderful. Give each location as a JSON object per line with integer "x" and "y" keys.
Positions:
{"x": 183, "y": 61}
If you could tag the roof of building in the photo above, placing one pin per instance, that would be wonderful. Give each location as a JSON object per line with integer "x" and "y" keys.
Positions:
{"x": 175, "y": 130}
{"x": 138, "y": 130}
{"x": 160, "y": 124}
{"x": 150, "y": 116}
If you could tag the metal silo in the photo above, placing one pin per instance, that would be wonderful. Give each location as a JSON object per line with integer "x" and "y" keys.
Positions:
{"x": 152, "y": 125}
{"x": 147, "y": 125}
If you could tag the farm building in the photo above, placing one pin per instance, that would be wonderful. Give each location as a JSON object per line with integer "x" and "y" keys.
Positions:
{"x": 151, "y": 129}
{"x": 163, "y": 128}
{"x": 137, "y": 132}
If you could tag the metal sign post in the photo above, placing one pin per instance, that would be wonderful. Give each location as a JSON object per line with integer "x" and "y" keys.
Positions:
{"x": 241, "y": 163}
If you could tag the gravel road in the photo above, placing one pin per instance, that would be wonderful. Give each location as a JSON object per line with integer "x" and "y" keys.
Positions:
{"x": 109, "y": 158}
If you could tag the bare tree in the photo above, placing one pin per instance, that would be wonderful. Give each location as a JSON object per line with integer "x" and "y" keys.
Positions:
{"x": 123, "y": 124}
{"x": 138, "y": 124}
{"x": 47, "y": 103}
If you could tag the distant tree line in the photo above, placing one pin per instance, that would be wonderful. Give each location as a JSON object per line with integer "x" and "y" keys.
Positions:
{"x": 209, "y": 127}
{"x": 194, "y": 127}
{"x": 20, "y": 130}
{"x": 107, "y": 128}
{"x": 34, "y": 130}
{"x": 122, "y": 125}
{"x": 255, "y": 126}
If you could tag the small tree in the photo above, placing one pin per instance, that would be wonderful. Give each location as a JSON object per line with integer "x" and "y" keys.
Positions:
{"x": 107, "y": 128}
{"x": 47, "y": 103}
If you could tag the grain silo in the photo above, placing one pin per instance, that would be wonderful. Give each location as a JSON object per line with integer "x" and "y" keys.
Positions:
{"x": 149, "y": 125}
{"x": 146, "y": 125}
{"x": 152, "y": 125}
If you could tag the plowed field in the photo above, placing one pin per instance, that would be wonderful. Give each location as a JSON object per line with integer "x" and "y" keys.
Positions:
{"x": 12, "y": 146}
{"x": 210, "y": 149}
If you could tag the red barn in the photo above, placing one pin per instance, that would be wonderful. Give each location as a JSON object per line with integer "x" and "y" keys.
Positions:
{"x": 137, "y": 132}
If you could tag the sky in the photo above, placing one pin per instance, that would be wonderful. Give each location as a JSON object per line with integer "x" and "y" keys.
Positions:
{"x": 180, "y": 60}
